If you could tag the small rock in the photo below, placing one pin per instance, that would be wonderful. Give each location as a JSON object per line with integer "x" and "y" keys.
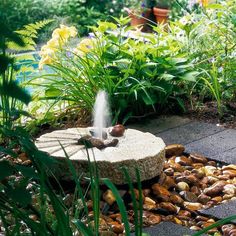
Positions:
{"x": 117, "y": 130}
{"x": 168, "y": 182}
{"x": 195, "y": 190}
{"x": 209, "y": 170}
{"x": 230, "y": 173}
{"x": 211, "y": 221}
{"x": 23, "y": 157}
{"x": 188, "y": 196}
{"x": 149, "y": 204}
{"x": 27, "y": 163}
{"x": 176, "y": 199}
{"x": 226, "y": 228}
{"x": 212, "y": 179}
{"x": 177, "y": 167}
{"x": 197, "y": 158}
{"x": 183, "y": 160}
{"x": 198, "y": 173}
{"x": 217, "y": 199}
{"x": 33, "y": 217}
{"x": 232, "y": 232}
{"x": 184, "y": 213}
{"x": 203, "y": 198}
{"x": 205, "y": 180}
{"x": 177, "y": 221}
{"x": 174, "y": 150}
{"x": 161, "y": 192}
{"x": 117, "y": 228}
{"x": 169, "y": 171}
{"x": 197, "y": 165}
{"x": 146, "y": 192}
{"x": 190, "y": 179}
{"x": 109, "y": 197}
{"x": 229, "y": 167}
{"x": 211, "y": 163}
{"x": 228, "y": 196}
{"x": 201, "y": 218}
{"x": 229, "y": 189}
{"x": 171, "y": 208}
{"x": 182, "y": 186}
{"x": 211, "y": 231}
{"x": 195, "y": 228}
{"x": 111, "y": 143}
{"x": 94, "y": 142}
{"x": 223, "y": 177}
{"x": 153, "y": 219}
{"x": 192, "y": 206}
{"x": 148, "y": 200}
{"x": 215, "y": 189}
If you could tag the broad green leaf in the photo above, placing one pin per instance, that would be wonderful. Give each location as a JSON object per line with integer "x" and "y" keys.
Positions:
{"x": 53, "y": 92}
{"x": 11, "y": 89}
{"x": 8, "y": 151}
{"x": 215, "y": 6}
{"x": 19, "y": 195}
{"x": 191, "y": 76}
{"x": 26, "y": 171}
{"x": 5, "y": 169}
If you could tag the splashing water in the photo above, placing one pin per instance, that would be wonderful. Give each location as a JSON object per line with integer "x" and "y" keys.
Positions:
{"x": 101, "y": 114}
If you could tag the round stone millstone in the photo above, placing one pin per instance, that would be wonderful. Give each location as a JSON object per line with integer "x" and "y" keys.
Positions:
{"x": 135, "y": 149}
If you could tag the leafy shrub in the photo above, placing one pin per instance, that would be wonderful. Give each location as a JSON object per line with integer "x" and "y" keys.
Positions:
{"x": 139, "y": 74}
{"x": 208, "y": 39}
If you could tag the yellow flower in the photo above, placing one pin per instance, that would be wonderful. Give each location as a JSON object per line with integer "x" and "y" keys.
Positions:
{"x": 59, "y": 37}
{"x": 64, "y": 32}
{"x": 204, "y": 2}
{"x": 45, "y": 60}
{"x": 53, "y": 43}
{"x": 46, "y": 50}
{"x": 84, "y": 46}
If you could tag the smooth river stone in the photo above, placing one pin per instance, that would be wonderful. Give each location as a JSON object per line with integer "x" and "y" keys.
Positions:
{"x": 135, "y": 149}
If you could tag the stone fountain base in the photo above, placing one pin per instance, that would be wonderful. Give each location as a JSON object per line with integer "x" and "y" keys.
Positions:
{"x": 135, "y": 149}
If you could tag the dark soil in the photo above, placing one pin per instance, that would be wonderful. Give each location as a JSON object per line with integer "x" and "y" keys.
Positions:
{"x": 207, "y": 112}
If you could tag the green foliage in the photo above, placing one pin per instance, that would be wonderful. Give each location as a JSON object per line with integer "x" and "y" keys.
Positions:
{"x": 209, "y": 38}
{"x": 140, "y": 73}
{"x": 12, "y": 95}
{"x": 82, "y": 13}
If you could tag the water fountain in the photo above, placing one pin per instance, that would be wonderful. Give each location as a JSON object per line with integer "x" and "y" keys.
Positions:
{"x": 111, "y": 147}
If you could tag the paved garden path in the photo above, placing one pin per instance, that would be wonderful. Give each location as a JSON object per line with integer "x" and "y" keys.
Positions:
{"x": 214, "y": 142}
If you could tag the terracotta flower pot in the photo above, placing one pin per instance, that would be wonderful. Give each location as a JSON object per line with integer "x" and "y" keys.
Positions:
{"x": 140, "y": 20}
{"x": 161, "y": 15}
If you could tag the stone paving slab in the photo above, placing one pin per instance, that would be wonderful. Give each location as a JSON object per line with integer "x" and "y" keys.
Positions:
{"x": 188, "y": 133}
{"x": 215, "y": 145}
{"x": 168, "y": 229}
{"x": 222, "y": 211}
{"x": 160, "y": 124}
{"x": 228, "y": 156}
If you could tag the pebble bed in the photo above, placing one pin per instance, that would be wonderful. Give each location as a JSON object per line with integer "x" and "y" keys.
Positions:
{"x": 189, "y": 183}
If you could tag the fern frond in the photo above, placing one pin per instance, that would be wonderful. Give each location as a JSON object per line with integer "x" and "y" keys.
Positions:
{"x": 28, "y": 34}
